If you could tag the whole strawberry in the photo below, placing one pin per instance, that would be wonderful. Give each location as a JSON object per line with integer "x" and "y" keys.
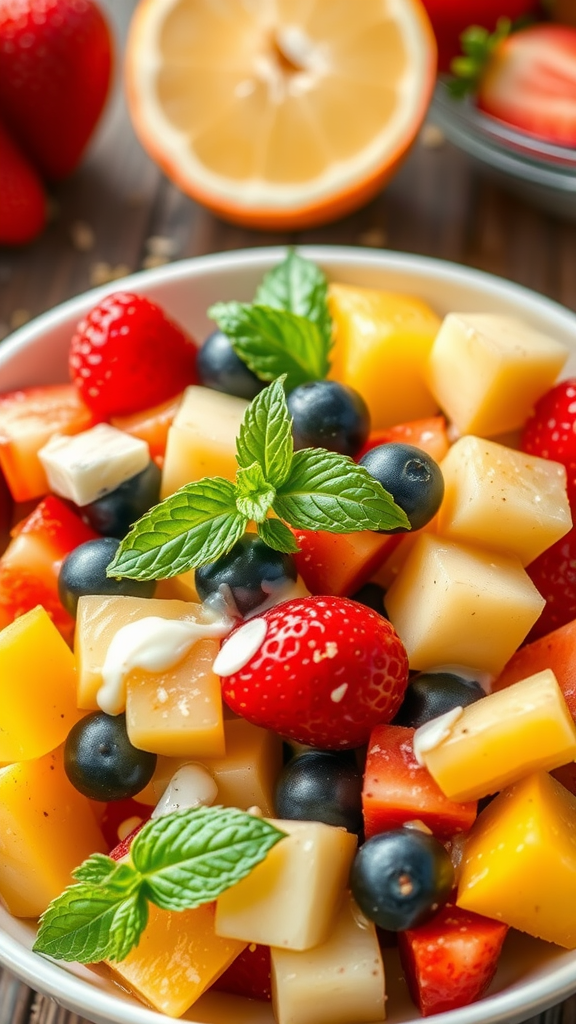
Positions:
{"x": 55, "y": 66}
{"x": 126, "y": 356}
{"x": 550, "y": 432}
{"x": 553, "y": 573}
{"x": 22, "y": 200}
{"x": 319, "y": 670}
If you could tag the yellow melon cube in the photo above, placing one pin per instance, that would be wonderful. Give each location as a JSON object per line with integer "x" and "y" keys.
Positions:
{"x": 48, "y": 828}
{"x": 458, "y": 605}
{"x": 487, "y": 370}
{"x": 503, "y": 737}
{"x": 291, "y": 899}
{"x": 202, "y": 438}
{"x": 382, "y": 343}
{"x": 503, "y": 499}
{"x": 519, "y": 862}
{"x": 37, "y": 687}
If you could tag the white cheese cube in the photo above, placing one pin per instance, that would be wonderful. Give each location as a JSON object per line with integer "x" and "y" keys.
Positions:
{"x": 89, "y": 465}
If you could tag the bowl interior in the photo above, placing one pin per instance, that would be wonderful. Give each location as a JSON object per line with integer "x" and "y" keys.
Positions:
{"x": 533, "y": 975}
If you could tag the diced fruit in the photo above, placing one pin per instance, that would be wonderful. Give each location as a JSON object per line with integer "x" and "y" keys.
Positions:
{"x": 519, "y": 863}
{"x": 555, "y": 651}
{"x": 503, "y": 499}
{"x": 290, "y": 899}
{"x": 150, "y": 425}
{"x": 28, "y": 419}
{"x": 248, "y": 975}
{"x": 398, "y": 789}
{"x": 500, "y": 739}
{"x": 428, "y": 434}
{"x": 450, "y": 961}
{"x": 487, "y": 370}
{"x": 47, "y": 829}
{"x": 340, "y": 981}
{"x": 554, "y": 574}
{"x": 93, "y": 463}
{"x": 457, "y": 605}
{"x": 382, "y": 342}
{"x": 340, "y": 563}
{"x": 202, "y": 438}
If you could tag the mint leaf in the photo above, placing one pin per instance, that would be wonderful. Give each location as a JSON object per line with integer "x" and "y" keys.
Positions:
{"x": 192, "y": 527}
{"x": 298, "y": 286}
{"x": 327, "y": 491}
{"x": 266, "y": 434}
{"x": 273, "y": 342}
{"x": 188, "y": 858}
{"x": 254, "y": 496}
{"x": 276, "y": 535}
{"x": 96, "y": 869}
{"x": 130, "y": 920}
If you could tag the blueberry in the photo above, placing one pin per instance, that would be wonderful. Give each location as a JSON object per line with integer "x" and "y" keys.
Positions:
{"x": 411, "y": 476}
{"x": 113, "y": 514}
{"x": 328, "y": 415}
{"x": 430, "y": 694}
{"x": 248, "y": 574}
{"x": 401, "y": 878}
{"x": 372, "y": 596}
{"x": 321, "y": 786}
{"x": 101, "y": 762}
{"x": 221, "y": 369}
{"x": 83, "y": 572}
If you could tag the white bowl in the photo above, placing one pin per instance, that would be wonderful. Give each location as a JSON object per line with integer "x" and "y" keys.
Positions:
{"x": 533, "y": 975}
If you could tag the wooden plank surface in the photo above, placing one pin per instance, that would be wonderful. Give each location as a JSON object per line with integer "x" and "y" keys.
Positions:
{"x": 118, "y": 214}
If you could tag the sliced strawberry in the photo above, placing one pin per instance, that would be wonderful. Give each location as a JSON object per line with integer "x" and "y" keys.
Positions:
{"x": 550, "y": 431}
{"x": 428, "y": 434}
{"x": 249, "y": 974}
{"x": 556, "y": 651}
{"x": 23, "y": 206}
{"x": 341, "y": 563}
{"x": 450, "y": 961}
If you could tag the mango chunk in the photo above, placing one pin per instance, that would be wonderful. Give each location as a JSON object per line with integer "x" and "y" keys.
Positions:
{"x": 519, "y": 863}
{"x": 37, "y": 688}
{"x": 177, "y": 959}
{"x": 382, "y": 343}
{"x": 504, "y": 736}
{"x": 292, "y": 897}
{"x": 338, "y": 982}
{"x": 48, "y": 828}
{"x": 457, "y": 605}
{"x": 487, "y": 370}
{"x": 503, "y": 499}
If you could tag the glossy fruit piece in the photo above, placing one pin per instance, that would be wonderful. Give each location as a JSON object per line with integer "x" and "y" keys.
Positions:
{"x": 28, "y": 419}
{"x": 83, "y": 572}
{"x": 114, "y": 513}
{"x": 327, "y": 414}
{"x": 554, "y": 575}
{"x": 150, "y": 425}
{"x": 101, "y": 762}
{"x": 397, "y": 789}
{"x": 449, "y": 19}
{"x": 319, "y": 144}
{"x": 429, "y": 434}
{"x": 321, "y": 786}
{"x": 450, "y": 961}
{"x": 411, "y": 476}
{"x": 430, "y": 694}
{"x": 325, "y": 671}
{"x": 248, "y": 975}
{"x": 530, "y": 83}
{"x": 341, "y": 563}
{"x": 127, "y": 355}
{"x": 549, "y": 431}
{"x": 55, "y": 66}
{"x": 221, "y": 369}
{"x": 117, "y": 816}
{"x": 23, "y": 209}
{"x": 555, "y": 651}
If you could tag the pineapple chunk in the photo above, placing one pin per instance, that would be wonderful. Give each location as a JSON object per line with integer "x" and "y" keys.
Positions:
{"x": 503, "y": 737}
{"x": 487, "y": 370}
{"x": 503, "y": 499}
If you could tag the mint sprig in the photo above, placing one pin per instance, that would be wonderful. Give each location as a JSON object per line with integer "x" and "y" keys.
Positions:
{"x": 478, "y": 45}
{"x": 310, "y": 489}
{"x": 178, "y": 862}
{"x": 298, "y": 286}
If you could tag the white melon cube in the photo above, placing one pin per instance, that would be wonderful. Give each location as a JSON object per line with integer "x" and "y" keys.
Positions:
{"x": 292, "y": 898}
{"x": 340, "y": 982}
{"x": 458, "y": 605}
{"x": 503, "y": 499}
{"x": 89, "y": 465}
{"x": 487, "y": 370}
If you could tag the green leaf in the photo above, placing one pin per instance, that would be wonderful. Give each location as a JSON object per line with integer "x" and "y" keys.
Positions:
{"x": 95, "y": 869}
{"x": 254, "y": 496}
{"x": 276, "y": 535}
{"x": 188, "y": 858}
{"x": 273, "y": 342}
{"x": 327, "y": 491}
{"x": 266, "y": 434}
{"x": 130, "y": 921}
{"x": 478, "y": 45}
{"x": 192, "y": 527}
{"x": 299, "y": 286}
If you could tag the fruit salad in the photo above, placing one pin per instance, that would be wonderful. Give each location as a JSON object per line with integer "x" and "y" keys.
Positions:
{"x": 286, "y": 648}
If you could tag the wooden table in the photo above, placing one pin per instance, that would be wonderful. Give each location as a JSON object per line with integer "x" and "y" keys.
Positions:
{"x": 118, "y": 214}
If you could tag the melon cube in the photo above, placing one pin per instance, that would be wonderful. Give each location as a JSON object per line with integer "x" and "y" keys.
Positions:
{"x": 487, "y": 370}
{"x": 339, "y": 982}
{"x": 458, "y": 605}
{"x": 291, "y": 899}
{"x": 202, "y": 438}
{"x": 503, "y": 499}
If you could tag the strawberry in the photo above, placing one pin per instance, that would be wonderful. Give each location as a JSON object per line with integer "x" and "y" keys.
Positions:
{"x": 321, "y": 670}
{"x": 550, "y": 431}
{"x": 126, "y": 356}
{"x": 23, "y": 204}
{"x": 450, "y": 17}
{"x": 553, "y": 573}
{"x": 55, "y": 65}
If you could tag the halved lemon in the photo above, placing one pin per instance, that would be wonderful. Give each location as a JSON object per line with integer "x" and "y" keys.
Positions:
{"x": 279, "y": 113}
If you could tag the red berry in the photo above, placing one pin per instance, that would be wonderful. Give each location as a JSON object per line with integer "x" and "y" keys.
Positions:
{"x": 550, "y": 431}
{"x": 22, "y": 199}
{"x": 325, "y": 672}
{"x": 553, "y": 573}
{"x": 126, "y": 356}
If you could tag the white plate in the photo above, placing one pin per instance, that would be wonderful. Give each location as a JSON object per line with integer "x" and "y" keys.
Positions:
{"x": 533, "y": 975}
